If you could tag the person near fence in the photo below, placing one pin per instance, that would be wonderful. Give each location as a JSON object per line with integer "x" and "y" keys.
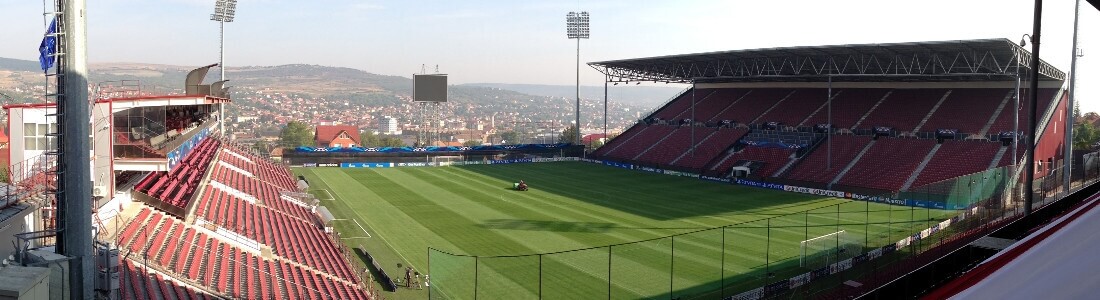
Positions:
{"x": 408, "y": 277}
{"x": 427, "y": 280}
{"x": 418, "y": 286}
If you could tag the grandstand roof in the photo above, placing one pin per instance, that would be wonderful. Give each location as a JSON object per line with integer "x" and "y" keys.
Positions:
{"x": 960, "y": 60}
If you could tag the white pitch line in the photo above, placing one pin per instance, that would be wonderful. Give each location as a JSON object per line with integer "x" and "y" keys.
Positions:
{"x": 361, "y": 227}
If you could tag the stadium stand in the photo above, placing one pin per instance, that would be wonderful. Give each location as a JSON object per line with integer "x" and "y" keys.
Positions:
{"x": 759, "y": 119}
{"x": 754, "y": 104}
{"x": 888, "y": 163}
{"x": 224, "y": 268}
{"x": 711, "y": 147}
{"x": 675, "y": 144}
{"x": 796, "y": 108}
{"x": 769, "y": 160}
{"x": 904, "y": 109}
{"x": 642, "y": 142}
{"x": 176, "y": 187}
{"x": 814, "y": 167}
{"x": 848, "y": 106}
{"x": 1006, "y": 121}
{"x": 957, "y": 158}
{"x": 967, "y": 110}
{"x": 136, "y": 283}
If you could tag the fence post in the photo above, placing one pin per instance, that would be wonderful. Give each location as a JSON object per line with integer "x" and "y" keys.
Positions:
{"x": 540, "y": 276}
{"x": 475, "y": 277}
{"x": 722, "y": 272}
{"x": 609, "y": 272}
{"x": 671, "y": 265}
{"x": 768, "y": 252}
{"x": 866, "y": 225}
{"x": 429, "y": 270}
{"x": 806, "y": 226}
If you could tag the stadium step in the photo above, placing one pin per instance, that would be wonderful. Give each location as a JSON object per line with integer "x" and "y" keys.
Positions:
{"x": 774, "y": 105}
{"x": 1050, "y": 110}
{"x": 853, "y": 162}
{"x": 682, "y": 155}
{"x": 670, "y": 133}
{"x": 932, "y": 112}
{"x": 697, "y": 100}
{"x": 619, "y": 144}
{"x": 819, "y": 108}
{"x": 782, "y": 171}
{"x": 996, "y": 113}
{"x": 920, "y": 168}
{"x": 869, "y": 111}
{"x": 732, "y": 103}
{"x": 997, "y": 158}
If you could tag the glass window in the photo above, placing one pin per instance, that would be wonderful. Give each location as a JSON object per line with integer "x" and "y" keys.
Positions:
{"x": 43, "y": 129}
{"x": 52, "y": 143}
{"x": 30, "y": 143}
{"x": 42, "y": 144}
{"x": 29, "y": 129}
{"x": 53, "y": 127}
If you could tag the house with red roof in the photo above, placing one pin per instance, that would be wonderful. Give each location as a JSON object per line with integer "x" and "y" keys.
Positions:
{"x": 337, "y": 136}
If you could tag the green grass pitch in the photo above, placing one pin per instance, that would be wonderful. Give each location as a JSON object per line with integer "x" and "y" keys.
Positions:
{"x": 397, "y": 214}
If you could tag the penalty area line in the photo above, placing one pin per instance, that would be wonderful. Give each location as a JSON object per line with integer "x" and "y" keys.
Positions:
{"x": 361, "y": 227}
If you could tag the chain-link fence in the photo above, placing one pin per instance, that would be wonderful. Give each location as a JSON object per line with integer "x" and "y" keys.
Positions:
{"x": 807, "y": 253}
{"x": 706, "y": 264}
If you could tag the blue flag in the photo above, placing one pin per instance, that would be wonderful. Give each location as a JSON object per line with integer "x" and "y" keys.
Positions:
{"x": 48, "y": 48}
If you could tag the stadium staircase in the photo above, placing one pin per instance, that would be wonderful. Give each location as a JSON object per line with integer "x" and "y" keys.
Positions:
{"x": 997, "y": 112}
{"x": 758, "y": 119}
{"x": 871, "y": 110}
{"x": 920, "y": 168}
{"x": 694, "y": 146}
{"x": 624, "y": 139}
{"x": 851, "y": 163}
{"x": 655, "y": 144}
{"x": 730, "y": 105}
{"x": 932, "y": 112}
{"x": 823, "y": 106}
{"x": 998, "y": 157}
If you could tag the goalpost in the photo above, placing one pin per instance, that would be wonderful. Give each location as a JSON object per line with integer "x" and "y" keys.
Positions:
{"x": 827, "y": 249}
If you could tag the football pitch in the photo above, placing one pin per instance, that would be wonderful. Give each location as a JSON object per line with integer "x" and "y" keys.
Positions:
{"x": 670, "y": 236}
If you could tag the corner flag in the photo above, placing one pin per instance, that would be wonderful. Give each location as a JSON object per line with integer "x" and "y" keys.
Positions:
{"x": 48, "y": 48}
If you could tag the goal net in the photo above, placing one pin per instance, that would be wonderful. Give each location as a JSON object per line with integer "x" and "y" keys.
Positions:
{"x": 827, "y": 249}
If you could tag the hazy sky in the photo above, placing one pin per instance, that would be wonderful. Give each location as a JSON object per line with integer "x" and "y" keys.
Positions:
{"x": 524, "y": 41}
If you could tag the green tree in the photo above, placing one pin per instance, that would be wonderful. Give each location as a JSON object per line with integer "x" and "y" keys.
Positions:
{"x": 261, "y": 146}
{"x": 471, "y": 143}
{"x": 391, "y": 141}
{"x": 296, "y": 134}
{"x": 568, "y": 135}
{"x": 1084, "y": 136}
{"x": 507, "y": 137}
{"x": 368, "y": 139}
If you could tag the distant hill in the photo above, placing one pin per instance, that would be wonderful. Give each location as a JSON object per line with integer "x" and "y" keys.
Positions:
{"x": 338, "y": 84}
{"x": 644, "y": 96}
{"x": 19, "y": 65}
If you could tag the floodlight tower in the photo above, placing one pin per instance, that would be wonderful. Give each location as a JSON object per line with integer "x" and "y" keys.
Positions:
{"x": 224, "y": 12}
{"x": 576, "y": 27}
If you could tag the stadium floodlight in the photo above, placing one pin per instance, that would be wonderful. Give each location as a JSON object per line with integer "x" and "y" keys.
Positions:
{"x": 576, "y": 27}
{"x": 224, "y": 12}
